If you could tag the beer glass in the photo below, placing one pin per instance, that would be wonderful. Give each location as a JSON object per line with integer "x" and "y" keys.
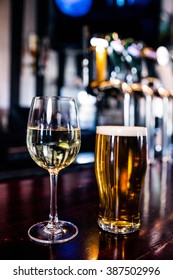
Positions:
{"x": 120, "y": 167}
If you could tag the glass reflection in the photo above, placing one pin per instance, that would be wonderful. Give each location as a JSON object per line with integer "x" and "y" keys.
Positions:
{"x": 115, "y": 247}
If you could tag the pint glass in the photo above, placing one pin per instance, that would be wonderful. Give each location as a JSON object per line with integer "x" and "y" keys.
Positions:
{"x": 120, "y": 167}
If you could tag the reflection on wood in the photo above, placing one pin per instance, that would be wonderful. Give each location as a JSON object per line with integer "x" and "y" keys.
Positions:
{"x": 26, "y": 201}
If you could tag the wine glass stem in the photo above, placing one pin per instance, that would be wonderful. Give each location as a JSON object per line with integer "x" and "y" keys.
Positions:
{"x": 53, "y": 215}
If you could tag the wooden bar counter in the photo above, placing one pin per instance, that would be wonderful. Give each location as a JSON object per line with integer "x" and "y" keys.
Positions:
{"x": 24, "y": 200}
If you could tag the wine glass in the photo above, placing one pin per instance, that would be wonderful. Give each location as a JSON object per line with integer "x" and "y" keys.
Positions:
{"x": 53, "y": 141}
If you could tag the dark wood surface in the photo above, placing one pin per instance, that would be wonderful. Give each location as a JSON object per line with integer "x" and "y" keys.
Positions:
{"x": 25, "y": 201}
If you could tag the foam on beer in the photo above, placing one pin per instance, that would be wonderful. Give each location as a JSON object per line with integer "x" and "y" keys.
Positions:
{"x": 122, "y": 130}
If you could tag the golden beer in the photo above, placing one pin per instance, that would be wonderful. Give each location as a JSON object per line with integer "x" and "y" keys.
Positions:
{"x": 120, "y": 167}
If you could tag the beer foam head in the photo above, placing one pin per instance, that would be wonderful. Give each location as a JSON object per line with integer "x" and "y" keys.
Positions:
{"x": 122, "y": 130}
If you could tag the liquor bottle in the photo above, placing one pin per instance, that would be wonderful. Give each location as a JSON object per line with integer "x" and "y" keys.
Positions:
{"x": 142, "y": 114}
{"x": 133, "y": 60}
{"x": 97, "y": 62}
{"x": 113, "y": 95}
{"x": 116, "y": 63}
{"x": 160, "y": 105}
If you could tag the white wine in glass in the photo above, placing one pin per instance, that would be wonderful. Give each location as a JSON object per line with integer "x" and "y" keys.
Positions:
{"x": 53, "y": 141}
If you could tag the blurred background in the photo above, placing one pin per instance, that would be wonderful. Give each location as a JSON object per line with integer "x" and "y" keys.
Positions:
{"x": 45, "y": 49}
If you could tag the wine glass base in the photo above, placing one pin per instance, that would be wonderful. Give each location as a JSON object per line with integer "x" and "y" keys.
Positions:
{"x": 39, "y": 233}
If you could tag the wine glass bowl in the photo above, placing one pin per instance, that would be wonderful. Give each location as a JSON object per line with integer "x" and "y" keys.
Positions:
{"x": 53, "y": 141}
